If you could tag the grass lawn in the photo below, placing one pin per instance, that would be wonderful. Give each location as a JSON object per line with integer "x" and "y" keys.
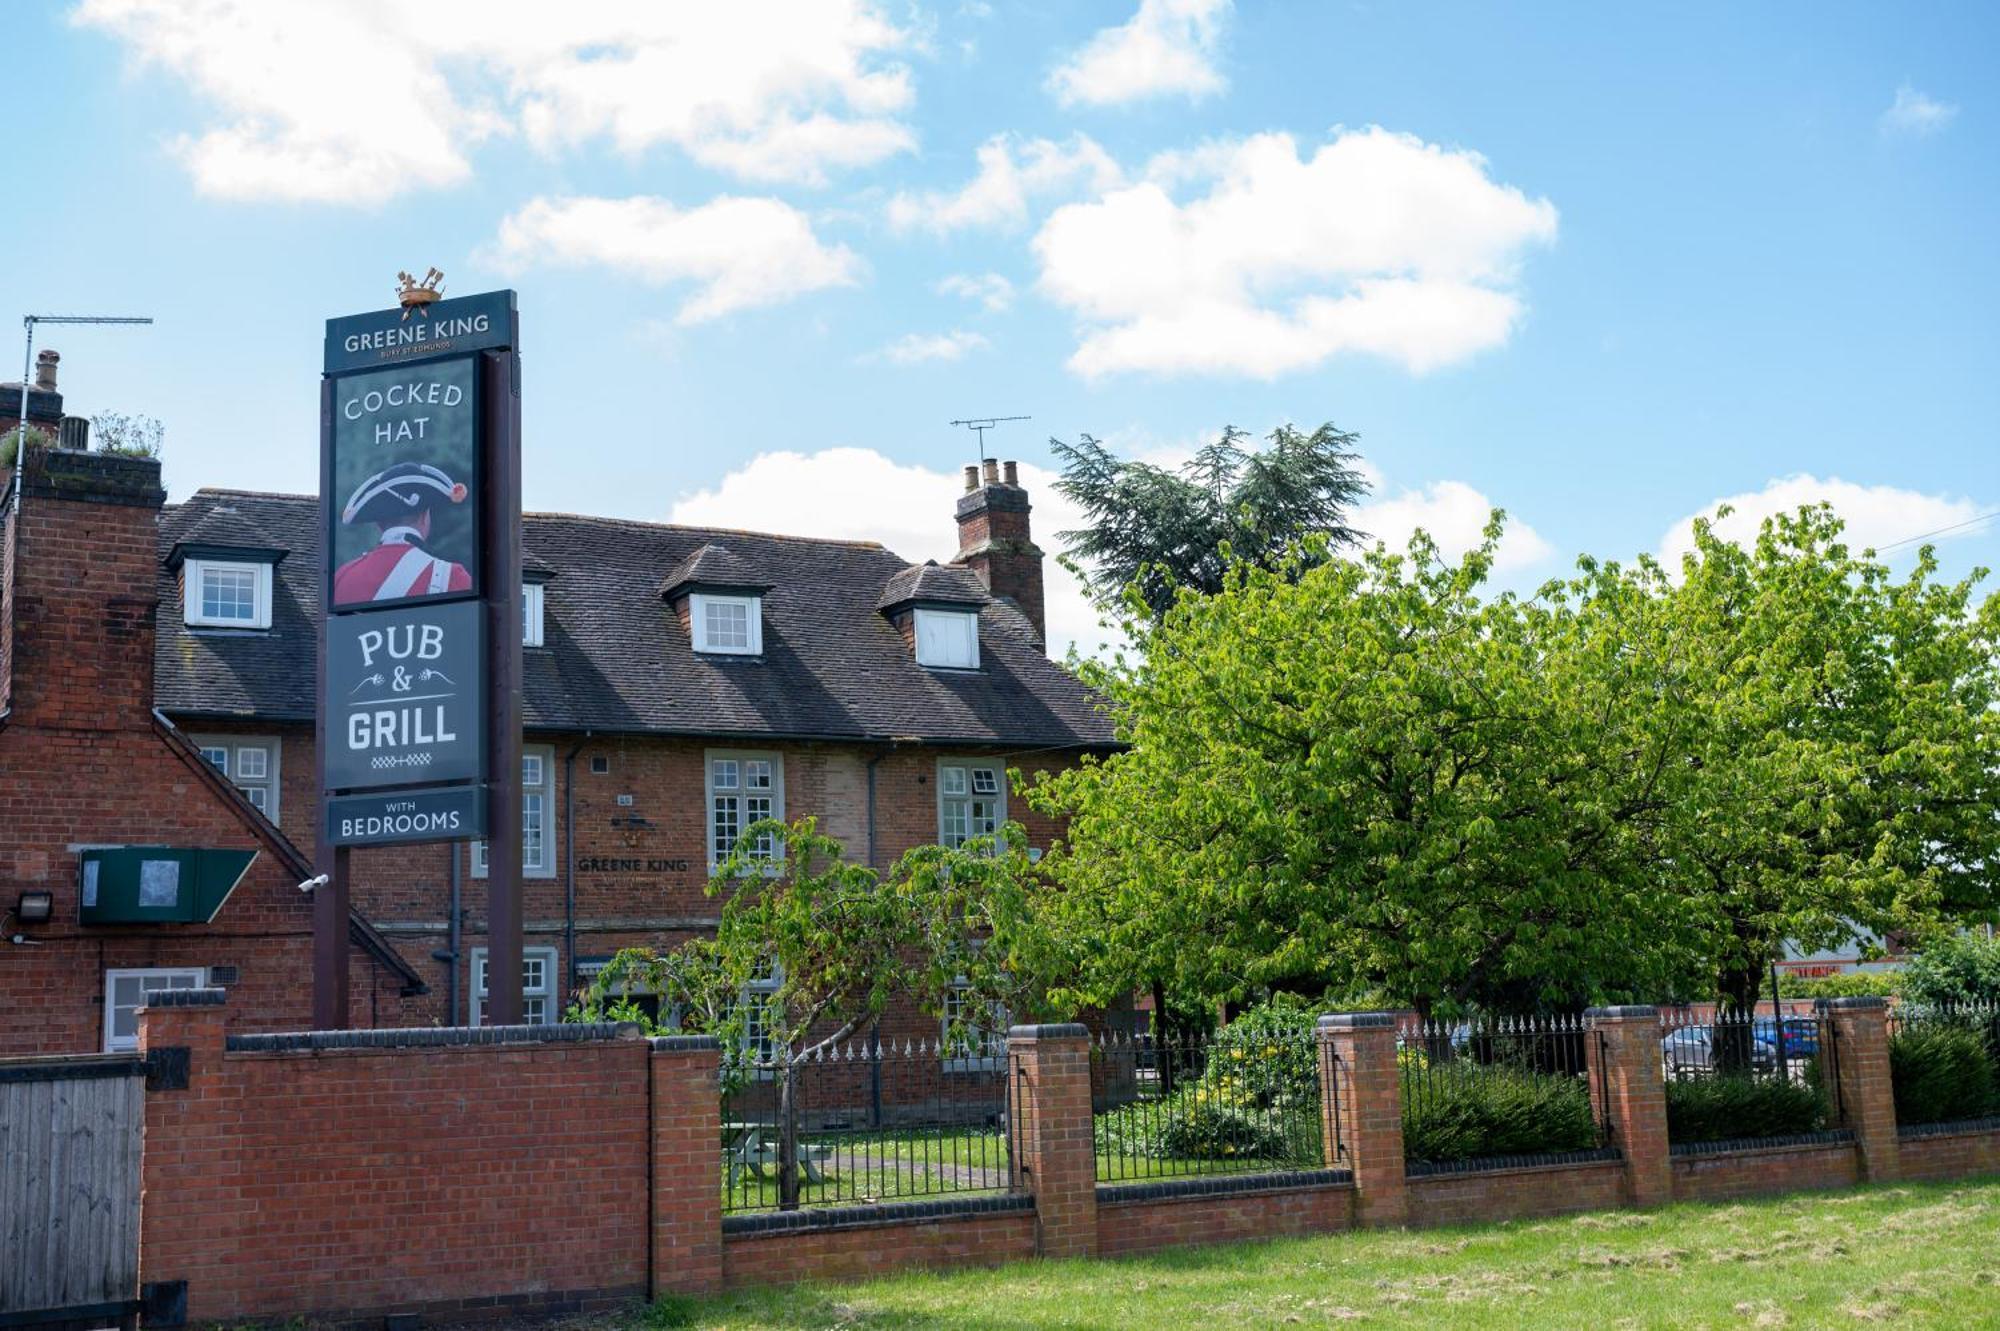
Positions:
{"x": 1900, "y": 1256}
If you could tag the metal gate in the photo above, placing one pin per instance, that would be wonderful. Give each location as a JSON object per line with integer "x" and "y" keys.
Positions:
{"x": 70, "y": 1134}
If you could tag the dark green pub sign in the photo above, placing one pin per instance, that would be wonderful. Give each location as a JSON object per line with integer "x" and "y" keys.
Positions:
{"x": 431, "y": 813}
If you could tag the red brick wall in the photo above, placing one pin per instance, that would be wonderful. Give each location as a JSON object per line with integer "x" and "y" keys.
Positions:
{"x": 1128, "y": 1228}
{"x": 1728, "y": 1175}
{"x": 494, "y": 1178}
{"x": 1950, "y": 1155}
{"x": 870, "y": 1250}
{"x": 1514, "y": 1194}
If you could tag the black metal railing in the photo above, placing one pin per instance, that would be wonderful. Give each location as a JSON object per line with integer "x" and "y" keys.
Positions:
{"x": 1733, "y": 1074}
{"x": 1238, "y": 1101}
{"x": 865, "y": 1122}
{"x": 1499, "y": 1086}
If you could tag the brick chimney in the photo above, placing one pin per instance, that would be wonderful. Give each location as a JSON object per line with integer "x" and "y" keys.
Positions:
{"x": 80, "y": 587}
{"x": 44, "y": 402}
{"x": 993, "y": 539}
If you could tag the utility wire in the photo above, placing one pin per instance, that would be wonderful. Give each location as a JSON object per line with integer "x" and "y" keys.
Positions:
{"x": 1925, "y": 536}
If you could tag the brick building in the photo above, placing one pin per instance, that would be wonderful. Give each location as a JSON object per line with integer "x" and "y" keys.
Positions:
{"x": 679, "y": 683}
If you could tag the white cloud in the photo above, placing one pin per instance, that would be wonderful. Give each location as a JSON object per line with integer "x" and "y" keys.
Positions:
{"x": 858, "y": 494}
{"x": 741, "y": 253}
{"x": 991, "y": 290}
{"x": 919, "y": 348}
{"x": 1377, "y": 243}
{"x": 1916, "y": 113}
{"x": 1454, "y": 515}
{"x": 1011, "y": 171}
{"x": 1876, "y": 515}
{"x": 1168, "y": 47}
{"x": 337, "y": 102}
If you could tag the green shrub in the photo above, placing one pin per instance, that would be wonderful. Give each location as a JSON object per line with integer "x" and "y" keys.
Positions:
{"x": 1480, "y": 1110}
{"x": 1953, "y": 972}
{"x": 1941, "y": 1072}
{"x": 10, "y": 441}
{"x": 1848, "y": 984}
{"x": 1715, "y": 1107}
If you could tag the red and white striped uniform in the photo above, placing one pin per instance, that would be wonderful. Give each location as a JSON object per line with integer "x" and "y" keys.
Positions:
{"x": 394, "y": 570}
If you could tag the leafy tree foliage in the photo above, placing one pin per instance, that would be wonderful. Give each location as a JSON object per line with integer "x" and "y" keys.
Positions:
{"x": 1954, "y": 971}
{"x": 1162, "y": 531}
{"x": 1372, "y": 774}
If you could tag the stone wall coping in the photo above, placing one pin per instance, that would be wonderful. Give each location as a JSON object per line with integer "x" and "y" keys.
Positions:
{"x": 1623, "y": 1012}
{"x": 185, "y": 998}
{"x": 1957, "y": 1127}
{"x": 1356, "y": 1021}
{"x": 1855, "y": 1003}
{"x": 1798, "y": 1141}
{"x": 758, "y": 1224}
{"x": 1222, "y": 1185}
{"x": 1512, "y": 1164}
{"x": 1056, "y": 1030}
{"x": 684, "y": 1044}
{"x": 430, "y": 1037}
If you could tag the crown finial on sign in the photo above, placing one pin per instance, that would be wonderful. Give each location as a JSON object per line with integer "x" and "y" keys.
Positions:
{"x": 412, "y": 294}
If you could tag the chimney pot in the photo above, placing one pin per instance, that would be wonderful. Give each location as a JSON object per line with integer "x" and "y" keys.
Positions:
{"x": 1011, "y": 473}
{"x": 971, "y": 477}
{"x": 45, "y": 370}
{"x": 74, "y": 432}
{"x": 992, "y": 472}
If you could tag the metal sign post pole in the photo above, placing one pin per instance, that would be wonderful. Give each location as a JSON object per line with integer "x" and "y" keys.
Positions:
{"x": 500, "y": 409}
{"x": 330, "y": 904}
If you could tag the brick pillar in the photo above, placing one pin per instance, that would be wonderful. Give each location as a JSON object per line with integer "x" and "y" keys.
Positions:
{"x": 1628, "y": 1090}
{"x": 1361, "y": 1099}
{"x": 1055, "y": 1155}
{"x": 687, "y": 1165}
{"x": 1860, "y": 1028}
{"x": 191, "y": 1118}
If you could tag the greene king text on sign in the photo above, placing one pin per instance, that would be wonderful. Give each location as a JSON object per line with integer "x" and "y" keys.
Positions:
{"x": 405, "y": 703}
{"x": 446, "y": 328}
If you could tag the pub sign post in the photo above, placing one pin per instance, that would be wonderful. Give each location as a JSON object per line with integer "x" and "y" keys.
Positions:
{"x": 419, "y": 666}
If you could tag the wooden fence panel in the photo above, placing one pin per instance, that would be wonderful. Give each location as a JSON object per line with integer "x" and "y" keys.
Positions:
{"x": 70, "y": 1138}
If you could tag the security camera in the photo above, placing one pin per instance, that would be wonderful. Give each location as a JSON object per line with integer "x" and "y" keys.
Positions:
{"x": 318, "y": 880}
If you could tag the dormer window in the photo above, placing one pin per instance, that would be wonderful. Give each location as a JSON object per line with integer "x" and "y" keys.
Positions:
{"x": 218, "y": 593}
{"x": 947, "y": 638}
{"x": 731, "y": 625}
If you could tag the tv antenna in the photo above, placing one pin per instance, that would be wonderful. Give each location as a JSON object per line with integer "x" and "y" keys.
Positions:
{"x": 979, "y": 425}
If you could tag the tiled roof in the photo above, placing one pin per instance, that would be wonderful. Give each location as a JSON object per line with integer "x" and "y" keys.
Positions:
{"x": 713, "y": 566}
{"x": 936, "y": 583}
{"x": 617, "y": 659}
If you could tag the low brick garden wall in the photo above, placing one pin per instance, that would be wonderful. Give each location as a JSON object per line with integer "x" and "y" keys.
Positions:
{"x": 345, "y": 1176}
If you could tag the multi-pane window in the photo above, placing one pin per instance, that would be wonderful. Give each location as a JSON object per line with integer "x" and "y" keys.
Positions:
{"x": 948, "y": 638}
{"x": 126, "y": 991}
{"x": 251, "y": 764}
{"x": 538, "y": 986}
{"x": 217, "y": 594}
{"x": 743, "y": 788}
{"x": 972, "y": 1029}
{"x": 971, "y": 802}
{"x": 538, "y": 802}
{"x": 732, "y": 625}
{"x": 532, "y": 605}
{"x": 760, "y": 1045}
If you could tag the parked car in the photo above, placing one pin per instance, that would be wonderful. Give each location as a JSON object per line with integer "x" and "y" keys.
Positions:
{"x": 1691, "y": 1050}
{"x": 1801, "y": 1036}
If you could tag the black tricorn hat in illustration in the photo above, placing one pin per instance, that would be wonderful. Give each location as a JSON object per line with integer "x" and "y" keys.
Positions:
{"x": 401, "y": 491}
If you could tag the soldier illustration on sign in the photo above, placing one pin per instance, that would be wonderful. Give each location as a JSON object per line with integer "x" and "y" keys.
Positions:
{"x": 400, "y": 501}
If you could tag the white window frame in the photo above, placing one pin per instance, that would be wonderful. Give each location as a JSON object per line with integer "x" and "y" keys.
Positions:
{"x": 753, "y": 606}
{"x": 548, "y": 992}
{"x": 965, "y": 622}
{"x": 232, "y": 748}
{"x": 533, "y": 604}
{"x": 957, "y": 1056}
{"x": 965, "y": 792}
{"x": 715, "y": 788}
{"x": 762, "y": 1053}
{"x": 538, "y": 783}
{"x": 192, "y": 573}
{"x": 197, "y": 977}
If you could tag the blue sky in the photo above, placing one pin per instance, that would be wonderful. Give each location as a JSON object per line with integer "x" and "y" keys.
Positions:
{"x": 1598, "y": 265}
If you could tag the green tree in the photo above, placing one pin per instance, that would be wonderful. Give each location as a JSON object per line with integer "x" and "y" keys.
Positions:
{"x": 1844, "y": 770}
{"x": 1163, "y": 530}
{"x": 1368, "y": 775}
{"x": 1954, "y": 971}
